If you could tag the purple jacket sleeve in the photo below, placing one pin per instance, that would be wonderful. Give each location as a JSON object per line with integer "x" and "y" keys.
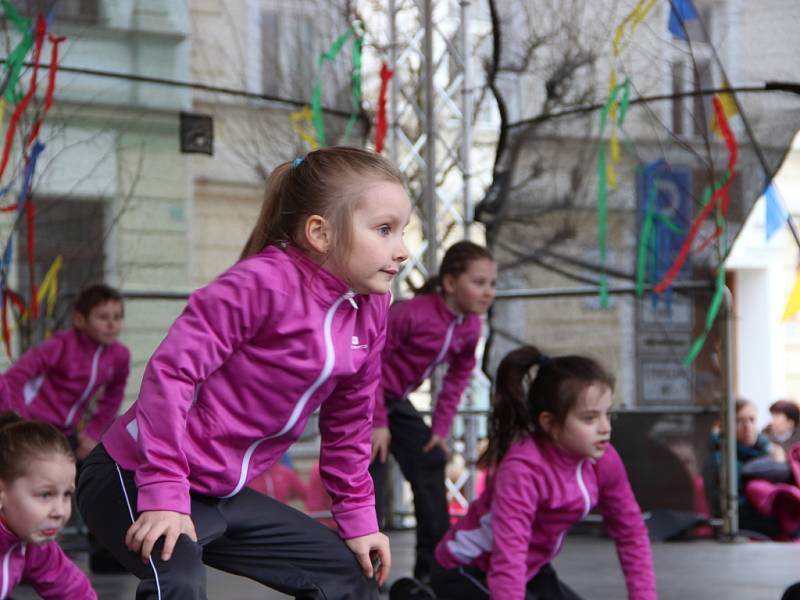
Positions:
{"x": 455, "y": 382}
{"x": 513, "y": 510}
{"x": 345, "y": 424}
{"x": 54, "y": 576}
{"x": 217, "y": 319}
{"x": 34, "y": 362}
{"x": 623, "y": 519}
{"x": 108, "y": 405}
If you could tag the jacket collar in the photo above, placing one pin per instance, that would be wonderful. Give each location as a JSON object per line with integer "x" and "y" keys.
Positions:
{"x": 445, "y": 312}
{"x": 84, "y": 341}
{"x": 322, "y": 283}
{"x": 7, "y": 537}
{"x": 557, "y": 456}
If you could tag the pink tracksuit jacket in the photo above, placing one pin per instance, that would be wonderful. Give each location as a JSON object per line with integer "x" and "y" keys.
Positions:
{"x": 423, "y": 333}
{"x": 45, "y": 566}
{"x": 232, "y": 385}
{"x": 54, "y": 381}
{"x": 536, "y": 494}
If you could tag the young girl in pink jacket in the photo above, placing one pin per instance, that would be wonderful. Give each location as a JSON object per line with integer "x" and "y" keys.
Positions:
{"x": 55, "y": 381}
{"x": 551, "y": 463}
{"x": 441, "y": 324}
{"x": 37, "y": 480}
{"x": 297, "y": 324}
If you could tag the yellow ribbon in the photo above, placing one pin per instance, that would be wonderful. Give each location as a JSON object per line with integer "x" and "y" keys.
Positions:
{"x": 303, "y": 125}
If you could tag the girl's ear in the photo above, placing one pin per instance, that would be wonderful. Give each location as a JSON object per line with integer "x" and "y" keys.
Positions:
{"x": 78, "y": 321}
{"x": 448, "y": 283}
{"x": 547, "y": 423}
{"x": 317, "y": 232}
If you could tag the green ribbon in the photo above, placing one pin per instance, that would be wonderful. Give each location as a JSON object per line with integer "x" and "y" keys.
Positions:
{"x": 602, "y": 206}
{"x": 16, "y": 59}
{"x": 316, "y": 95}
{"x": 711, "y": 316}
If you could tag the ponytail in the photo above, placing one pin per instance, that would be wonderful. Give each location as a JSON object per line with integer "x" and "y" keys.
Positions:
{"x": 22, "y": 441}
{"x": 520, "y": 397}
{"x": 511, "y": 417}
{"x": 268, "y": 230}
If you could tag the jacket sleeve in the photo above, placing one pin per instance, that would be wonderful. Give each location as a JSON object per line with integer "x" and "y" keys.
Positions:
{"x": 54, "y": 576}
{"x": 455, "y": 381}
{"x": 514, "y": 503}
{"x": 33, "y": 363}
{"x": 215, "y": 322}
{"x": 399, "y": 326}
{"x": 345, "y": 424}
{"x": 108, "y": 405}
{"x": 623, "y": 520}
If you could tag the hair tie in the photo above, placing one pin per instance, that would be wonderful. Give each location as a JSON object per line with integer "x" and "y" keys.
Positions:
{"x": 296, "y": 162}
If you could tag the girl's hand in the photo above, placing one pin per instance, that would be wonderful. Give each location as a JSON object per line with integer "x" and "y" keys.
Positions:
{"x": 380, "y": 443}
{"x": 85, "y": 445}
{"x": 151, "y": 525}
{"x": 437, "y": 441}
{"x": 368, "y": 548}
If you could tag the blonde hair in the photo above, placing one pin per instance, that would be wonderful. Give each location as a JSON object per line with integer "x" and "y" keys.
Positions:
{"x": 321, "y": 184}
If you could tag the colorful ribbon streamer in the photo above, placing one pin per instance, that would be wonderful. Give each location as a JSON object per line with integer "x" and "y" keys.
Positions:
{"x": 318, "y": 117}
{"x": 16, "y": 58}
{"x": 793, "y": 304}
{"x": 51, "y": 87}
{"x": 302, "y": 124}
{"x": 602, "y": 184}
{"x": 714, "y": 195}
{"x": 381, "y": 124}
{"x": 711, "y": 316}
{"x": 41, "y": 27}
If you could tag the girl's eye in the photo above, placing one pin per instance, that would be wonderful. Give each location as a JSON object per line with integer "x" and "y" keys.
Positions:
{"x": 45, "y": 495}
{"x": 384, "y": 230}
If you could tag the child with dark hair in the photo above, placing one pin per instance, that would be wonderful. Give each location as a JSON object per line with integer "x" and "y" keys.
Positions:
{"x": 782, "y": 429}
{"x": 55, "y": 381}
{"x": 441, "y": 324}
{"x": 550, "y": 462}
{"x": 37, "y": 481}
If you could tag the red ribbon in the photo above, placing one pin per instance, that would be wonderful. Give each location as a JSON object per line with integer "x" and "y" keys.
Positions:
{"x": 30, "y": 214}
{"x": 51, "y": 87}
{"x": 721, "y": 194}
{"x": 20, "y": 304}
{"x": 41, "y": 29}
{"x": 380, "y": 118}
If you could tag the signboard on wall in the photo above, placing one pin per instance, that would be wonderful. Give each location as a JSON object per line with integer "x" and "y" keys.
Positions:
{"x": 664, "y": 323}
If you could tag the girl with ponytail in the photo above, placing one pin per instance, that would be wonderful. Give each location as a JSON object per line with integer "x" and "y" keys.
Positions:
{"x": 297, "y": 324}
{"x": 551, "y": 463}
{"x": 441, "y": 324}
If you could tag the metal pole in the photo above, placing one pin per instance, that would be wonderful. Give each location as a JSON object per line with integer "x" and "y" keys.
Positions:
{"x": 728, "y": 471}
{"x": 467, "y": 108}
{"x": 392, "y": 141}
{"x": 429, "y": 190}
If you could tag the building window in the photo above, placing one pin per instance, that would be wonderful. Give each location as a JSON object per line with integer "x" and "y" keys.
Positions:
{"x": 76, "y": 11}
{"x": 288, "y": 53}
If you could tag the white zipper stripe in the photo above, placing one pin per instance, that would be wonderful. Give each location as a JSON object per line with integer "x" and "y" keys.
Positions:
{"x": 133, "y": 520}
{"x": 448, "y": 338}
{"x": 587, "y": 500}
{"x": 586, "y": 508}
{"x": 85, "y": 396}
{"x": 330, "y": 359}
{"x": 6, "y": 561}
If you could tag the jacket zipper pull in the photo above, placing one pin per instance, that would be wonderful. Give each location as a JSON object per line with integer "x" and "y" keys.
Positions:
{"x": 351, "y": 299}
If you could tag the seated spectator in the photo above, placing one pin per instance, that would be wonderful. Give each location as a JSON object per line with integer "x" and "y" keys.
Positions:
{"x": 750, "y": 445}
{"x": 782, "y": 429}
